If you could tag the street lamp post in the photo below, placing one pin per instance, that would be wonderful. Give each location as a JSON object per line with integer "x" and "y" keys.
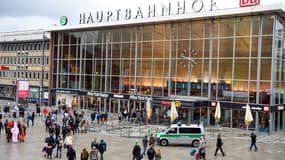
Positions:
{"x": 42, "y": 71}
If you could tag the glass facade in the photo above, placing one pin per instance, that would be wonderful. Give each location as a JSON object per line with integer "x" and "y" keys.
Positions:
{"x": 226, "y": 59}
{"x": 235, "y": 59}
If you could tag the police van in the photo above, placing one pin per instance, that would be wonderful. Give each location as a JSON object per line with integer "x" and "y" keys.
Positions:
{"x": 181, "y": 134}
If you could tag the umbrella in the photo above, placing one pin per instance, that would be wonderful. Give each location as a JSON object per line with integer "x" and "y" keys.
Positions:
{"x": 173, "y": 112}
{"x": 148, "y": 109}
{"x": 248, "y": 115}
{"x": 218, "y": 113}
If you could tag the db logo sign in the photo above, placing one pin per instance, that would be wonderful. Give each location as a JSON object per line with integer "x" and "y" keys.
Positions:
{"x": 246, "y": 3}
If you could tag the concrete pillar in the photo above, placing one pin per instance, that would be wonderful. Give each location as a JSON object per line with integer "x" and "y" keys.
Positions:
{"x": 278, "y": 120}
{"x": 256, "y": 121}
{"x": 189, "y": 116}
{"x": 283, "y": 120}
{"x": 208, "y": 115}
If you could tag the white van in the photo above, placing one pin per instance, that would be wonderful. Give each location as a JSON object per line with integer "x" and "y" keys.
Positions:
{"x": 181, "y": 134}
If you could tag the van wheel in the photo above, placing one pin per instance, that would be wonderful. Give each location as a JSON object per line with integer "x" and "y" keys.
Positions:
{"x": 164, "y": 142}
{"x": 195, "y": 143}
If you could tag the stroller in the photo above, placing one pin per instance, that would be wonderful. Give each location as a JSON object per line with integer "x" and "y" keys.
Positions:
{"x": 93, "y": 154}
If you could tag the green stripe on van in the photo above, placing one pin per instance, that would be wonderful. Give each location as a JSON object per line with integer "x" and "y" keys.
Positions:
{"x": 194, "y": 136}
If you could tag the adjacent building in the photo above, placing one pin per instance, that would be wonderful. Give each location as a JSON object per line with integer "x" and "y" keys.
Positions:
{"x": 24, "y": 60}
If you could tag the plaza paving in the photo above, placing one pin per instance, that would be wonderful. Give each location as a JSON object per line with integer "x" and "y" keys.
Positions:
{"x": 120, "y": 143}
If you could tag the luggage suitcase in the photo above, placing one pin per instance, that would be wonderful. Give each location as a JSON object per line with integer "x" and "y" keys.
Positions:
{"x": 192, "y": 152}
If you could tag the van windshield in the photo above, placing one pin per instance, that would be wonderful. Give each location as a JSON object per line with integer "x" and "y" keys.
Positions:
{"x": 172, "y": 130}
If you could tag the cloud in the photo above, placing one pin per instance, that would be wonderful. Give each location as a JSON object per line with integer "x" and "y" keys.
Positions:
{"x": 26, "y": 23}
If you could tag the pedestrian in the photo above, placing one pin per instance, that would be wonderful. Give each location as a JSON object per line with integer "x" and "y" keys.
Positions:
{"x": 68, "y": 141}
{"x": 219, "y": 145}
{"x": 94, "y": 143}
{"x": 136, "y": 151}
{"x": 33, "y": 118}
{"x": 150, "y": 153}
{"x": 145, "y": 144}
{"x": 59, "y": 144}
{"x": 151, "y": 140}
{"x": 57, "y": 130}
{"x": 51, "y": 142}
{"x": 202, "y": 148}
{"x": 84, "y": 154}
{"x": 253, "y": 141}
{"x": 157, "y": 155}
{"x": 14, "y": 111}
{"x": 45, "y": 112}
{"x": 28, "y": 118}
{"x": 15, "y": 132}
{"x": 22, "y": 133}
{"x": 102, "y": 148}
{"x": 44, "y": 149}
{"x": 48, "y": 123}
{"x": 71, "y": 153}
{"x": 1, "y": 126}
{"x": 8, "y": 125}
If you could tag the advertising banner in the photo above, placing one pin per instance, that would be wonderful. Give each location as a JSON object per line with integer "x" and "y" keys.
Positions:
{"x": 23, "y": 90}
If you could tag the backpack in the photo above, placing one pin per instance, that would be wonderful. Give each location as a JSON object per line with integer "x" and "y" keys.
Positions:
{"x": 60, "y": 143}
{"x": 48, "y": 121}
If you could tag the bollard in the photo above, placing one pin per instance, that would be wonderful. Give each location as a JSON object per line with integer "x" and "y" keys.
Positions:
{"x": 129, "y": 135}
{"x": 140, "y": 130}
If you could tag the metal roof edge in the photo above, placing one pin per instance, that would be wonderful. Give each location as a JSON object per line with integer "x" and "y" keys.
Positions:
{"x": 207, "y": 14}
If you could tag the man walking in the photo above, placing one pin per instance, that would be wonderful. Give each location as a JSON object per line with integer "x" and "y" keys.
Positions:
{"x": 136, "y": 151}
{"x": 145, "y": 144}
{"x": 150, "y": 153}
{"x": 253, "y": 141}
{"x": 219, "y": 145}
{"x": 102, "y": 148}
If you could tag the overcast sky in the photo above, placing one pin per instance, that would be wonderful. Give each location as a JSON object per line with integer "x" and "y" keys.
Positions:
{"x": 42, "y": 14}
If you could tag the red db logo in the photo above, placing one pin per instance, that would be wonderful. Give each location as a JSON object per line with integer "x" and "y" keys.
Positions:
{"x": 246, "y": 3}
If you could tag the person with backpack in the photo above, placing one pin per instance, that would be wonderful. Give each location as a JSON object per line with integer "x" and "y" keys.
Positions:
{"x": 59, "y": 145}
{"x": 102, "y": 148}
{"x": 150, "y": 152}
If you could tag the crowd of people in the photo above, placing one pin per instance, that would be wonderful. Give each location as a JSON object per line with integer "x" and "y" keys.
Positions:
{"x": 60, "y": 135}
{"x": 148, "y": 149}
{"x": 15, "y": 126}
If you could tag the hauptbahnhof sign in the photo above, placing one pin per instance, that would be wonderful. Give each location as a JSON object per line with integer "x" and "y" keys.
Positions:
{"x": 178, "y": 8}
